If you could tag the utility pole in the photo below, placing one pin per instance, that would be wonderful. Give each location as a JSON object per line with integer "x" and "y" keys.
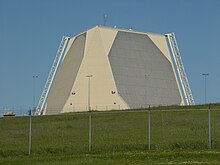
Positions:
{"x": 30, "y": 120}
{"x": 90, "y": 116}
{"x": 205, "y": 75}
{"x": 34, "y": 91}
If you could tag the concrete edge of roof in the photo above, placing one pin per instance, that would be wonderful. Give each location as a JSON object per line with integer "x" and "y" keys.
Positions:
{"x": 119, "y": 29}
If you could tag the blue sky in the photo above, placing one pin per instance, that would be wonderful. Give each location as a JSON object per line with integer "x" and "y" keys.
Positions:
{"x": 31, "y": 30}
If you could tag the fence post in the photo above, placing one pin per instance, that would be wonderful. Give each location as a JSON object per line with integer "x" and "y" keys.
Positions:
{"x": 149, "y": 128}
{"x": 90, "y": 131}
{"x": 30, "y": 133}
{"x": 209, "y": 128}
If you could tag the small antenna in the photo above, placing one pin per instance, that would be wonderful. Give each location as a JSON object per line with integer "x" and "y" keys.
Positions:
{"x": 105, "y": 17}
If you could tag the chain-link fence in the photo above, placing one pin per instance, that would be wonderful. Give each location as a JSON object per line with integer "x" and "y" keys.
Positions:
{"x": 111, "y": 131}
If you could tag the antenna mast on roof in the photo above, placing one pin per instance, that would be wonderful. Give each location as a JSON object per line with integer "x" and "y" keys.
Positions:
{"x": 105, "y": 18}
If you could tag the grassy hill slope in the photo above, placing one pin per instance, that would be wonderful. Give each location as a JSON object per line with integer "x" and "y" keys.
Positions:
{"x": 116, "y": 136}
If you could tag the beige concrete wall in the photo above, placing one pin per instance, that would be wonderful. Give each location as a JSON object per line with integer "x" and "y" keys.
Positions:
{"x": 95, "y": 62}
{"x": 66, "y": 76}
{"x": 160, "y": 41}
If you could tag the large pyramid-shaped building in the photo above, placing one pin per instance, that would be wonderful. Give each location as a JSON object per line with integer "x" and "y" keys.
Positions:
{"x": 129, "y": 69}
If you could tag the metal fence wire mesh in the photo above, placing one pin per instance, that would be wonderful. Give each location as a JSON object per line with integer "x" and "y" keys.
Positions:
{"x": 119, "y": 131}
{"x": 215, "y": 129}
{"x": 111, "y": 131}
{"x": 179, "y": 130}
{"x": 61, "y": 133}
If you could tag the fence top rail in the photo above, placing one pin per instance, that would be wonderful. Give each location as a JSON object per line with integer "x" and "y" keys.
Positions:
{"x": 135, "y": 111}
{"x": 123, "y": 111}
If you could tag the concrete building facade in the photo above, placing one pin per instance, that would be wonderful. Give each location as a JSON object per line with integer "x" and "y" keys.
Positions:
{"x": 129, "y": 69}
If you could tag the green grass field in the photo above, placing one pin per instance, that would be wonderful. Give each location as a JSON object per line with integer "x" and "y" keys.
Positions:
{"x": 117, "y": 138}
{"x": 120, "y": 158}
